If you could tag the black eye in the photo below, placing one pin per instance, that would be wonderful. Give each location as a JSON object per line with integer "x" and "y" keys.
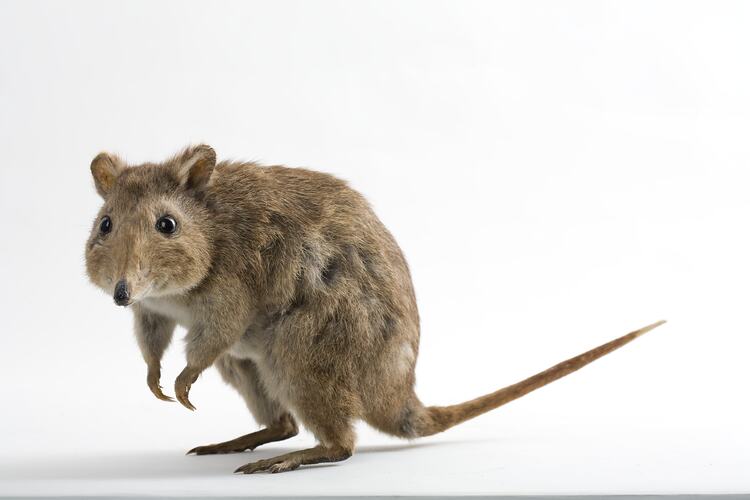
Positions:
{"x": 166, "y": 225}
{"x": 105, "y": 226}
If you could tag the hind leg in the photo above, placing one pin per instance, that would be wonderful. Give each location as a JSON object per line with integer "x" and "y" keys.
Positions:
{"x": 282, "y": 429}
{"x": 290, "y": 461}
{"x": 336, "y": 436}
{"x": 326, "y": 411}
{"x": 279, "y": 424}
{"x": 323, "y": 392}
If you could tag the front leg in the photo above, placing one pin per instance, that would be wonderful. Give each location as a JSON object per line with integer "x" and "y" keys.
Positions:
{"x": 206, "y": 341}
{"x": 153, "y": 333}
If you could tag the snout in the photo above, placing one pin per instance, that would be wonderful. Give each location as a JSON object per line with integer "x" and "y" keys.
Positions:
{"x": 122, "y": 293}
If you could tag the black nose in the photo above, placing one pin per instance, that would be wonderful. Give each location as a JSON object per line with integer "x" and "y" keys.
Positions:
{"x": 122, "y": 294}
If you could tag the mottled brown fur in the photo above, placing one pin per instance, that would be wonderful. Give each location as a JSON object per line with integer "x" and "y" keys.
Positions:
{"x": 289, "y": 284}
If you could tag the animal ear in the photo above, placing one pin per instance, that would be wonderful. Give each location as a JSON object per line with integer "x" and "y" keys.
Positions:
{"x": 195, "y": 167}
{"x": 105, "y": 168}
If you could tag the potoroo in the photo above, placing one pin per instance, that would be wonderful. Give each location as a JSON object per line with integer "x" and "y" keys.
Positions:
{"x": 289, "y": 284}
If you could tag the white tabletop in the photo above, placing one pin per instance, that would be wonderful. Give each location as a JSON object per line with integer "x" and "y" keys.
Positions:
{"x": 493, "y": 455}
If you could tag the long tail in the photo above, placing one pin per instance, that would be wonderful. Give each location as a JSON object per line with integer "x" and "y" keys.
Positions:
{"x": 436, "y": 419}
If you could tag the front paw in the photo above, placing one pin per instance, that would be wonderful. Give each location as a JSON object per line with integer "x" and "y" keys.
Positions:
{"x": 182, "y": 386}
{"x": 152, "y": 379}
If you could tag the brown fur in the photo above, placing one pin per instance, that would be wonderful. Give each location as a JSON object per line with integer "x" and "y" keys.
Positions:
{"x": 286, "y": 281}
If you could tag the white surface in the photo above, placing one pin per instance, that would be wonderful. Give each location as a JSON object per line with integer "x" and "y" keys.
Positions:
{"x": 498, "y": 455}
{"x": 557, "y": 173}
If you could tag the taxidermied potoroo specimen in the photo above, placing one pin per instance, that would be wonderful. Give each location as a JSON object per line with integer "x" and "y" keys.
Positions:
{"x": 289, "y": 284}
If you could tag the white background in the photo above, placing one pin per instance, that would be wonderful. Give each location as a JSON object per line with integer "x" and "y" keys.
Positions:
{"x": 557, "y": 174}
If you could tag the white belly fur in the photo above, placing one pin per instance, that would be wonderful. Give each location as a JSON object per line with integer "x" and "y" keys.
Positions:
{"x": 254, "y": 346}
{"x": 244, "y": 349}
{"x": 172, "y": 309}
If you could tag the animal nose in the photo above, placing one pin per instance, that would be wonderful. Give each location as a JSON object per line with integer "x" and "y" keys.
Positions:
{"x": 122, "y": 294}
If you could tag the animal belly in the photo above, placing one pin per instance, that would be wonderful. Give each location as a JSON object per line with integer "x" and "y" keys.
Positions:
{"x": 247, "y": 347}
{"x": 277, "y": 383}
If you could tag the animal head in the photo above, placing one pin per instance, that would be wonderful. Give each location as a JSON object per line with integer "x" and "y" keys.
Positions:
{"x": 151, "y": 237}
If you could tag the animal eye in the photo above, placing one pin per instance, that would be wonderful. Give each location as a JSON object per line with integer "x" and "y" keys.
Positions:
{"x": 105, "y": 226}
{"x": 166, "y": 225}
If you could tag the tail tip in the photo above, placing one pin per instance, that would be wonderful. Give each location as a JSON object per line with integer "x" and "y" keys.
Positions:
{"x": 649, "y": 327}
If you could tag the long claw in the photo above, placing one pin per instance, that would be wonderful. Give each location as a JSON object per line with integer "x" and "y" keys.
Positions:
{"x": 166, "y": 398}
{"x": 157, "y": 390}
{"x": 206, "y": 450}
{"x": 182, "y": 386}
{"x": 183, "y": 399}
{"x": 152, "y": 379}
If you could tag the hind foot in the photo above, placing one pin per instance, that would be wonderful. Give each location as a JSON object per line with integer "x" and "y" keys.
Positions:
{"x": 285, "y": 428}
{"x": 290, "y": 461}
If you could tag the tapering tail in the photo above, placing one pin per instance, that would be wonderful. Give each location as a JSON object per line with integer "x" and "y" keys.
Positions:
{"x": 436, "y": 419}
